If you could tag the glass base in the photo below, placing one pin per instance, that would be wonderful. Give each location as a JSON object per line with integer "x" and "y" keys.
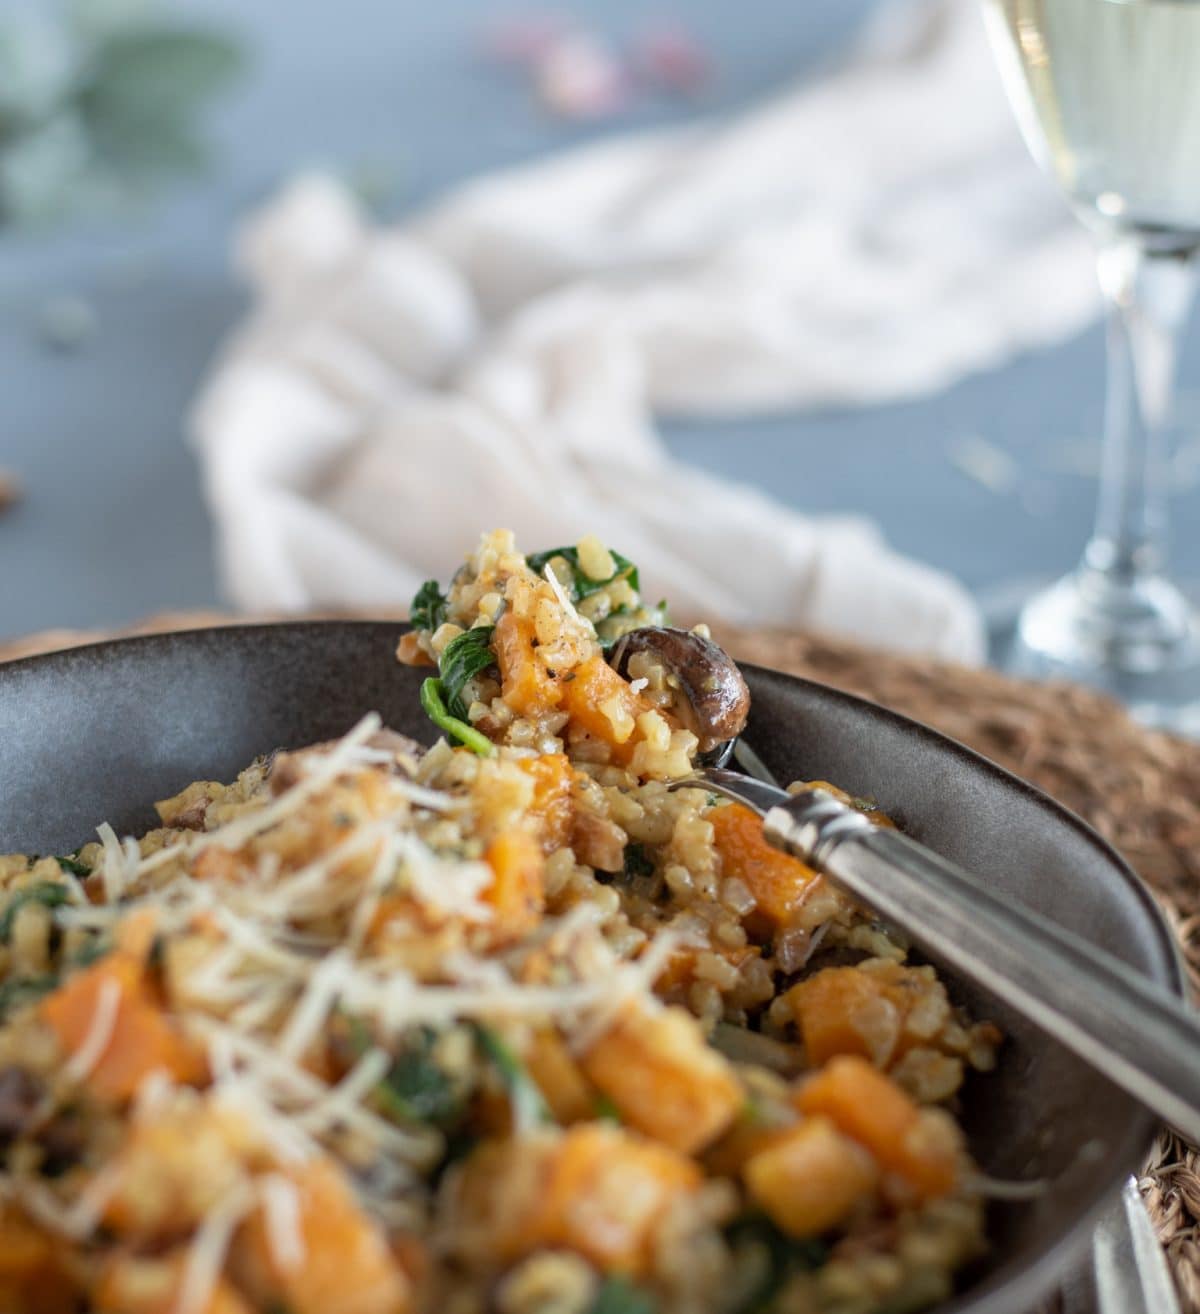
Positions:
{"x": 1136, "y": 639}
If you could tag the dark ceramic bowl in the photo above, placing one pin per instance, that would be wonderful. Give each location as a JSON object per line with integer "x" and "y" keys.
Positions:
{"x": 96, "y": 733}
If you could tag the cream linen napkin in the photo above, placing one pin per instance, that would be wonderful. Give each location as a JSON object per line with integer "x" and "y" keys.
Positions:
{"x": 500, "y": 359}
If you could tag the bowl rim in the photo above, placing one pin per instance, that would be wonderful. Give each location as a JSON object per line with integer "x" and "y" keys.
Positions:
{"x": 1016, "y": 1291}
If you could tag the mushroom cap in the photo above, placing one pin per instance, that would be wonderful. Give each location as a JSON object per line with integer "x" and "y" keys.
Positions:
{"x": 717, "y": 699}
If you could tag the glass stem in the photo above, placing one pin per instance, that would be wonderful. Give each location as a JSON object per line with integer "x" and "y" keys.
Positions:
{"x": 1148, "y": 293}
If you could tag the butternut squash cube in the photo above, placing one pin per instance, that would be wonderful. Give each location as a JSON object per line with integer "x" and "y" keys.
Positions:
{"x": 664, "y": 1078}
{"x": 810, "y": 1178}
{"x": 131, "y": 1284}
{"x": 780, "y": 884}
{"x": 525, "y": 684}
{"x": 342, "y": 1264}
{"x": 142, "y": 1038}
{"x": 516, "y": 894}
{"x": 595, "y": 1189}
{"x": 870, "y": 1108}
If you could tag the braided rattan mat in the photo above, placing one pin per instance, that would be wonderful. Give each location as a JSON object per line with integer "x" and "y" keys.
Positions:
{"x": 1140, "y": 789}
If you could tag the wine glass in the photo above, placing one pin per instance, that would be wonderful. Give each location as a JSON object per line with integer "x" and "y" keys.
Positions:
{"x": 1107, "y": 95}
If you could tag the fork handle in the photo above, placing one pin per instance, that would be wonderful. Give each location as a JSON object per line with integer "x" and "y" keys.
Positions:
{"x": 1124, "y": 1025}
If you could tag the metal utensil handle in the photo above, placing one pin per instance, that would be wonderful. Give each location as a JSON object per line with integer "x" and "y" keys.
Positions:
{"x": 1128, "y": 1264}
{"x": 1125, "y": 1026}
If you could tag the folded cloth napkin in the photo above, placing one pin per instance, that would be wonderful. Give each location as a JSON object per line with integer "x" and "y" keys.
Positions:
{"x": 499, "y": 359}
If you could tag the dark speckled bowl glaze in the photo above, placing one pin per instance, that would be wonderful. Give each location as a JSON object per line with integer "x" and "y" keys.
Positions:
{"x": 97, "y": 733}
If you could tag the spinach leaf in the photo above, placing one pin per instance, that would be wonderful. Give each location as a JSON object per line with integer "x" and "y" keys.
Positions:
{"x": 583, "y": 585}
{"x": 70, "y": 863}
{"x": 415, "y": 1088}
{"x": 47, "y": 893}
{"x": 780, "y": 1256}
{"x": 359, "y": 1034}
{"x": 463, "y": 658}
{"x": 24, "y": 990}
{"x": 617, "y": 1295}
{"x": 606, "y": 1110}
{"x": 97, "y": 947}
{"x": 637, "y": 861}
{"x": 529, "y": 1105}
{"x": 433, "y": 704}
{"x": 428, "y": 608}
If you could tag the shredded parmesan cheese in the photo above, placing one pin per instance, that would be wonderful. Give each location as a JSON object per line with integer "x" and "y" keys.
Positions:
{"x": 81, "y": 1218}
{"x": 287, "y": 1087}
{"x": 207, "y": 1253}
{"x": 445, "y": 885}
{"x": 99, "y": 1033}
{"x": 348, "y": 1094}
{"x": 281, "y": 1213}
{"x": 323, "y": 771}
{"x": 114, "y": 870}
{"x": 573, "y": 619}
{"x": 153, "y": 1095}
{"x": 307, "y": 1019}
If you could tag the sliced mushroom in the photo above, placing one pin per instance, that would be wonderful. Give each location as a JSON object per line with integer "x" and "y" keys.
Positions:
{"x": 62, "y": 1141}
{"x": 715, "y": 701}
{"x": 287, "y": 768}
{"x": 598, "y": 841}
{"x": 188, "y": 809}
{"x": 21, "y": 1097}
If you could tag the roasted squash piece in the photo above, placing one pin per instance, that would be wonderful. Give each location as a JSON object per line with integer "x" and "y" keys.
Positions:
{"x": 780, "y": 884}
{"x": 595, "y": 1189}
{"x": 600, "y": 702}
{"x": 342, "y": 1263}
{"x": 175, "y": 1168}
{"x": 664, "y": 1077}
{"x": 141, "y": 1038}
{"x": 870, "y": 1108}
{"x": 525, "y": 684}
{"x": 558, "y": 1076}
{"x": 134, "y": 1284}
{"x": 516, "y": 894}
{"x": 878, "y": 1014}
{"x": 32, "y": 1277}
{"x": 552, "y": 809}
{"x": 810, "y": 1178}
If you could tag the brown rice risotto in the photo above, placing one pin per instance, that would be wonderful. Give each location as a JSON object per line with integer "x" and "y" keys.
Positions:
{"x": 500, "y": 1026}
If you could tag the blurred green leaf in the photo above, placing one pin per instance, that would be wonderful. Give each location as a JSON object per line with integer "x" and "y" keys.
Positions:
{"x": 96, "y": 107}
{"x": 156, "y": 73}
{"x": 39, "y": 168}
{"x": 93, "y": 20}
{"x": 150, "y": 149}
{"x": 36, "y": 73}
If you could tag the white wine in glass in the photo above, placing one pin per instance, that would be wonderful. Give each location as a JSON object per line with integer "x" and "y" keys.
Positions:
{"x": 1107, "y": 94}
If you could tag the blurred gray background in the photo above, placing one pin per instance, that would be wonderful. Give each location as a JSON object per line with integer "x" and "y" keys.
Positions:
{"x": 992, "y": 480}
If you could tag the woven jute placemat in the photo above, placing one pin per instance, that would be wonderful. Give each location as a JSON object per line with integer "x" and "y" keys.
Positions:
{"x": 1140, "y": 789}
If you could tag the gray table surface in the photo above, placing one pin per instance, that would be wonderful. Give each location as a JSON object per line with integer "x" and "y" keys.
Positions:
{"x": 113, "y": 526}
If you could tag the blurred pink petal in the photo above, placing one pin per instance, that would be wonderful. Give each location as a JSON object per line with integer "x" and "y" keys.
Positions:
{"x": 582, "y": 77}
{"x": 670, "y": 57}
{"x": 523, "y": 38}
